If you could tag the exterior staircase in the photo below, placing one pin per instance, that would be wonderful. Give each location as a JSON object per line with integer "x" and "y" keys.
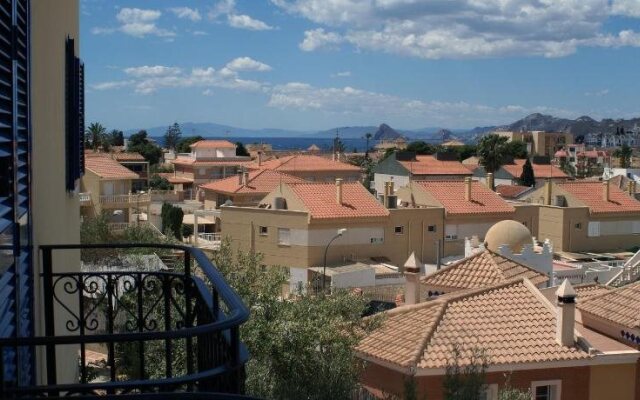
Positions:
{"x": 630, "y": 272}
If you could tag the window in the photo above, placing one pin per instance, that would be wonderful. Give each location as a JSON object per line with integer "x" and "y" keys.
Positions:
{"x": 264, "y": 231}
{"x": 284, "y": 237}
{"x": 74, "y": 118}
{"x": 377, "y": 240}
{"x": 451, "y": 232}
{"x": 431, "y": 228}
{"x": 398, "y": 230}
{"x": 593, "y": 229}
{"x": 578, "y": 225}
{"x": 546, "y": 390}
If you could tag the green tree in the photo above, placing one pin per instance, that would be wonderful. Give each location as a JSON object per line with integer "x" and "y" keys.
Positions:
{"x": 159, "y": 183}
{"x": 508, "y": 392}
{"x": 140, "y": 143}
{"x": 516, "y": 149}
{"x": 187, "y": 230}
{"x": 492, "y": 152}
{"x": 527, "y": 178}
{"x": 116, "y": 138}
{"x": 566, "y": 167}
{"x": 421, "y": 147}
{"x": 338, "y": 145}
{"x": 97, "y": 135}
{"x": 624, "y": 154}
{"x": 241, "y": 150}
{"x": 171, "y": 218}
{"x": 465, "y": 380}
{"x": 172, "y": 136}
{"x": 184, "y": 143}
{"x": 367, "y": 136}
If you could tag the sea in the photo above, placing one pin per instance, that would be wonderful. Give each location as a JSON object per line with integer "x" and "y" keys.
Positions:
{"x": 295, "y": 143}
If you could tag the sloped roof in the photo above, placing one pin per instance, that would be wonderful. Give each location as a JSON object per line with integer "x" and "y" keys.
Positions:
{"x": 540, "y": 171}
{"x": 590, "y": 194}
{"x": 512, "y": 191}
{"x": 586, "y": 291}
{"x": 320, "y": 200}
{"x": 171, "y": 178}
{"x": 512, "y": 322}
{"x": 128, "y": 156}
{"x": 620, "y": 305}
{"x": 107, "y": 168}
{"x": 482, "y": 269}
{"x": 241, "y": 161}
{"x": 451, "y": 194}
{"x": 429, "y": 165}
{"x": 213, "y": 144}
{"x": 260, "y": 181}
{"x": 304, "y": 162}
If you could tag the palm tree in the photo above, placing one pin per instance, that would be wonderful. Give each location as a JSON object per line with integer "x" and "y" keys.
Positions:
{"x": 97, "y": 134}
{"x": 624, "y": 154}
{"x": 367, "y": 136}
{"x": 492, "y": 152}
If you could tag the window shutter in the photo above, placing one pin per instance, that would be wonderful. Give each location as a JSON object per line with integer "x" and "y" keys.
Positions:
{"x": 594, "y": 229}
{"x": 74, "y": 99}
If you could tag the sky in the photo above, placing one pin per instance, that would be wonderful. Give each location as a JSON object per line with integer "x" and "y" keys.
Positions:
{"x": 317, "y": 64}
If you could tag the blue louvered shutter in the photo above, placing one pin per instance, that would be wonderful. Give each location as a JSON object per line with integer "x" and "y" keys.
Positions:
{"x": 74, "y": 97}
{"x": 16, "y": 272}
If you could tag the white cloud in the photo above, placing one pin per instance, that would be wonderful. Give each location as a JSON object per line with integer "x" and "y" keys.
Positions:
{"x": 465, "y": 28}
{"x": 240, "y": 21}
{"x": 148, "y": 71}
{"x": 342, "y": 74}
{"x": 597, "y": 93}
{"x": 136, "y": 22}
{"x": 188, "y": 13}
{"x": 111, "y": 85}
{"x": 199, "y": 33}
{"x": 247, "y": 64}
{"x": 319, "y": 38}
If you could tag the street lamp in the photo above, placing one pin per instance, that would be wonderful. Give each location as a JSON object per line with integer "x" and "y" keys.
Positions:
{"x": 324, "y": 265}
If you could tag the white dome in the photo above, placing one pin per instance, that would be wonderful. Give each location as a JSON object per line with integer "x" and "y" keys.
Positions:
{"x": 510, "y": 233}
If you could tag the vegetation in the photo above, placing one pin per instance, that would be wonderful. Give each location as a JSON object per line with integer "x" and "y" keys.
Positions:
{"x": 171, "y": 217}
{"x": 241, "y": 150}
{"x": 527, "y": 178}
{"x": 623, "y": 154}
{"x": 116, "y": 138}
{"x": 184, "y": 143}
{"x": 159, "y": 183}
{"x": 465, "y": 382}
{"x": 367, "y": 136}
{"x": 567, "y": 168}
{"x": 96, "y": 137}
{"x": 172, "y": 136}
{"x": 508, "y": 392}
{"x": 140, "y": 143}
{"x": 422, "y": 148}
{"x": 492, "y": 151}
{"x": 516, "y": 149}
{"x": 300, "y": 349}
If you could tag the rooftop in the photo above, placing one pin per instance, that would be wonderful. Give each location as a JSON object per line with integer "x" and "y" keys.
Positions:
{"x": 320, "y": 200}
{"x": 105, "y": 167}
{"x": 128, "y": 156}
{"x": 259, "y": 181}
{"x": 512, "y": 191}
{"x": 304, "y": 162}
{"x": 429, "y": 165}
{"x": 171, "y": 178}
{"x": 540, "y": 171}
{"x": 586, "y": 291}
{"x": 213, "y": 144}
{"x": 512, "y": 322}
{"x": 228, "y": 162}
{"x": 589, "y": 193}
{"x": 451, "y": 194}
{"x": 482, "y": 269}
{"x": 618, "y": 305}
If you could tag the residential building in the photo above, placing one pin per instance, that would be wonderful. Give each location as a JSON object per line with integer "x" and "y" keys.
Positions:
{"x": 558, "y": 359}
{"x": 47, "y": 303}
{"x": 209, "y": 160}
{"x": 136, "y": 163}
{"x": 401, "y": 167}
{"x": 584, "y": 162}
{"x": 310, "y": 167}
{"x": 509, "y": 173}
{"x": 470, "y": 209}
{"x": 245, "y": 190}
{"x": 629, "y": 173}
{"x": 539, "y": 143}
{"x": 513, "y": 192}
{"x": 107, "y": 187}
{"x": 587, "y": 216}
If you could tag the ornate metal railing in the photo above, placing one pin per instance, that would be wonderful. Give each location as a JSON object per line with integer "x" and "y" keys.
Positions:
{"x": 160, "y": 328}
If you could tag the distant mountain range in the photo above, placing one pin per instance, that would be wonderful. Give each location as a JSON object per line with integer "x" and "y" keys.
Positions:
{"x": 578, "y": 127}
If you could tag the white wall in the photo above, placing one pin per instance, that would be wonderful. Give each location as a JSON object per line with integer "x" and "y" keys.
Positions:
{"x": 360, "y": 278}
{"x": 398, "y": 181}
{"x": 214, "y": 153}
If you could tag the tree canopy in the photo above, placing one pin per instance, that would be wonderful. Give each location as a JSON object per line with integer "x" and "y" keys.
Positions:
{"x": 172, "y": 136}
{"x": 624, "y": 154}
{"x": 184, "y": 143}
{"x": 492, "y": 151}
{"x": 140, "y": 143}
{"x": 527, "y": 178}
{"x": 96, "y": 136}
{"x": 241, "y": 150}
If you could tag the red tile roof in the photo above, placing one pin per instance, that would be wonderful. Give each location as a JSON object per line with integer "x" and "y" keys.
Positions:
{"x": 128, "y": 156}
{"x": 304, "y": 162}
{"x": 511, "y": 191}
{"x": 320, "y": 200}
{"x": 107, "y": 168}
{"x": 213, "y": 144}
{"x": 591, "y": 195}
{"x": 169, "y": 176}
{"x": 209, "y": 163}
{"x": 540, "y": 171}
{"x": 619, "y": 305}
{"x": 260, "y": 181}
{"x": 429, "y": 165}
{"x": 451, "y": 194}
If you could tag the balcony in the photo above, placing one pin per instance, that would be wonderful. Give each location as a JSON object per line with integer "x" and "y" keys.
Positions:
{"x": 84, "y": 198}
{"x": 118, "y": 227}
{"x": 163, "y": 327}
{"x": 125, "y": 200}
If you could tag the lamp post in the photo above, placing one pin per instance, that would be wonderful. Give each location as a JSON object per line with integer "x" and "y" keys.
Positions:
{"x": 324, "y": 265}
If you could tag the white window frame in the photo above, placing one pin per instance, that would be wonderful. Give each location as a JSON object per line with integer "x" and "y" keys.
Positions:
{"x": 284, "y": 237}
{"x": 395, "y": 229}
{"x": 451, "y": 232}
{"x": 555, "y": 394}
{"x": 593, "y": 229}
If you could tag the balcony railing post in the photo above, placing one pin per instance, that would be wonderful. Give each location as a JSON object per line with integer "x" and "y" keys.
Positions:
{"x": 188, "y": 317}
{"x": 49, "y": 318}
{"x": 234, "y": 360}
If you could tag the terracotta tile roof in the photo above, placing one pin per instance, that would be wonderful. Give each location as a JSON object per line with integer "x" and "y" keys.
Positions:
{"x": 586, "y": 291}
{"x": 260, "y": 181}
{"x": 304, "y": 162}
{"x": 512, "y": 191}
{"x": 107, "y": 168}
{"x": 480, "y": 270}
{"x": 209, "y": 163}
{"x": 169, "y": 176}
{"x": 128, "y": 156}
{"x": 429, "y": 165}
{"x": 213, "y": 144}
{"x": 451, "y": 194}
{"x": 512, "y": 322}
{"x": 540, "y": 171}
{"x": 320, "y": 200}
{"x": 618, "y": 305}
{"x": 590, "y": 194}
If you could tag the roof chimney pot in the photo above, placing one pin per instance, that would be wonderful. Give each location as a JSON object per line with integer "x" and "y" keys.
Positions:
{"x": 467, "y": 189}
{"x": 605, "y": 190}
{"x": 339, "y": 191}
{"x": 566, "y": 314}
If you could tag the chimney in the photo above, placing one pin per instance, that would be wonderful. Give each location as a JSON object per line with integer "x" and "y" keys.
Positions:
{"x": 245, "y": 178}
{"x": 412, "y": 280}
{"x": 386, "y": 194}
{"x": 259, "y": 159}
{"x": 547, "y": 192}
{"x": 605, "y": 190}
{"x": 632, "y": 188}
{"x": 467, "y": 189}
{"x": 391, "y": 189}
{"x": 566, "y": 314}
{"x": 339, "y": 191}
{"x": 490, "y": 181}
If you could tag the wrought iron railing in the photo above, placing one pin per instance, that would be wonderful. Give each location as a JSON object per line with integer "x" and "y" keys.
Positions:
{"x": 161, "y": 328}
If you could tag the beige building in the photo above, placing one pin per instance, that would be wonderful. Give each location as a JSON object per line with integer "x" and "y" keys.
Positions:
{"x": 310, "y": 167}
{"x": 540, "y": 143}
{"x": 587, "y": 216}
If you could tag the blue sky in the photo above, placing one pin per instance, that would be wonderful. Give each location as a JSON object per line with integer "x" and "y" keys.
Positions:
{"x": 317, "y": 64}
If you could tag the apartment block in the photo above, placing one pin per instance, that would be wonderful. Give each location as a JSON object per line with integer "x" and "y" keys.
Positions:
{"x": 539, "y": 143}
